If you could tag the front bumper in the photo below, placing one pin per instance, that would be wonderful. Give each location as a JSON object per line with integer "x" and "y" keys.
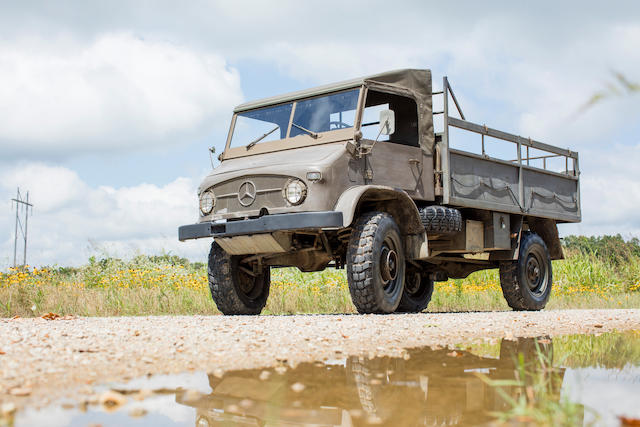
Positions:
{"x": 264, "y": 224}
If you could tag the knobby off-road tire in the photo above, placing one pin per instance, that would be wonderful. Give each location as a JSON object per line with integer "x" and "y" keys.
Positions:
{"x": 233, "y": 289}
{"x": 418, "y": 288}
{"x": 440, "y": 219}
{"x": 375, "y": 264}
{"x": 526, "y": 282}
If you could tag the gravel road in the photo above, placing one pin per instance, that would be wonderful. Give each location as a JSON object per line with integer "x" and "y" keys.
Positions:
{"x": 42, "y": 360}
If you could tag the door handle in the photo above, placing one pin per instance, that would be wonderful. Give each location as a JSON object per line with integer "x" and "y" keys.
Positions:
{"x": 416, "y": 161}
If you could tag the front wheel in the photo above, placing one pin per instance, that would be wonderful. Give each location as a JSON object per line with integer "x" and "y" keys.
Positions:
{"x": 526, "y": 282}
{"x": 235, "y": 287}
{"x": 375, "y": 264}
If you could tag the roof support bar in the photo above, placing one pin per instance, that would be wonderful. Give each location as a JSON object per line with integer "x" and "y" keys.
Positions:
{"x": 455, "y": 101}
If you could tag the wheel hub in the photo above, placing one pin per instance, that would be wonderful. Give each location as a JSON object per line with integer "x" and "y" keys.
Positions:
{"x": 533, "y": 272}
{"x": 388, "y": 264}
{"x": 247, "y": 280}
{"x": 413, "y": 282}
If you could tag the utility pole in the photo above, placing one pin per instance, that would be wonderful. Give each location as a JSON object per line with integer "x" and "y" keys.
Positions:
{"x": 21, "y": 204}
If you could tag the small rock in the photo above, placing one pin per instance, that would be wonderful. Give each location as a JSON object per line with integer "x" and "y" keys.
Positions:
{"x": 297, "y": 387}
{"x": 137, "y": 412}
{"x": 7, "y": 409}
{"x": 20, "y": 391}
{"x": 49, "y": 316}
{"x": 112, "y": 400}
{"x": 628, "y": 421}
{"x": 232, "y": 409}
{"x": 264, "y": 375}
{"x": 246, "y": 403}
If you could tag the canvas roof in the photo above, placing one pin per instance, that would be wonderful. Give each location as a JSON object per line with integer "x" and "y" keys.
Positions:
{"x": 412, "y": 83}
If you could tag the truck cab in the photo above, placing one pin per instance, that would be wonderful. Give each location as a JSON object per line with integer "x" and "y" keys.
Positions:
{"x": 352, "y": 174}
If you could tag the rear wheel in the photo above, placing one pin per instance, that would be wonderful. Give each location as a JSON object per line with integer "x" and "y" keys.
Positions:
{"x": 235, "y": 287}
{"x": 418, "y": 288}
{"x": 526, "y": 282}
{"x": 375, "y": 264}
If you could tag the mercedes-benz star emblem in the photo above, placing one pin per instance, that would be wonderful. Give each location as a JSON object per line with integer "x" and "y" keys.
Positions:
{"x": 247, "y": 193}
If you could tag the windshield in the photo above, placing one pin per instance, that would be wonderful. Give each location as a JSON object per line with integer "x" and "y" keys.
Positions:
{"x": 329, "y": 112}
{"x": 257, "y": 125}
{"x": 312, "y": 116}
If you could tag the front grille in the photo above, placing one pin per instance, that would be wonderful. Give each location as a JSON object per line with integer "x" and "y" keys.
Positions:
{"x": 268, "y": 194}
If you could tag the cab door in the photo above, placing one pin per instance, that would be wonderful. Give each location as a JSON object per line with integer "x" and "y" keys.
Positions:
{"x": 396, "y": 160}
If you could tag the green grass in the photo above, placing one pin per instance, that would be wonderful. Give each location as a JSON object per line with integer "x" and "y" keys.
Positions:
{"x": 533, "y": 396}
{"x": 602, "y": 273}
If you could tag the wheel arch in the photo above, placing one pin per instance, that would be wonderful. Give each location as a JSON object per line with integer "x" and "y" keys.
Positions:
{"x": 396, "y": 202}
{"x": 548, "y": 232}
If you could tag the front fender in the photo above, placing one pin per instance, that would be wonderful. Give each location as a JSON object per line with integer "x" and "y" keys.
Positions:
{"x": 379, "y": 197}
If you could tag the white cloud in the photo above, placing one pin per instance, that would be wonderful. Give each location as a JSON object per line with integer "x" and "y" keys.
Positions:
{"x": 541, "y": 78}
{"x": 610, "y": 191}
{"x": 72, "y": 220}
{"x": 116, "y": 91}
{"x": 525, "y": 68}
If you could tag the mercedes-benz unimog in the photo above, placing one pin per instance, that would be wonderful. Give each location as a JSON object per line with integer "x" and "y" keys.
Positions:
{"x": 353, "y": 174}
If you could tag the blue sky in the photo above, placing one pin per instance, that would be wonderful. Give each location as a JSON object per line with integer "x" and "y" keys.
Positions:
{"x": 107, "y": 109}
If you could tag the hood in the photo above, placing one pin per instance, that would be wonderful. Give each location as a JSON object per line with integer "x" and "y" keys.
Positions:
{"x": 286, "y": 162}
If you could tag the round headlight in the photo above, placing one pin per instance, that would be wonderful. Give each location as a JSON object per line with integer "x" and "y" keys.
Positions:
{"x": 207, "y": 202}
{"x": 295, "y": 191}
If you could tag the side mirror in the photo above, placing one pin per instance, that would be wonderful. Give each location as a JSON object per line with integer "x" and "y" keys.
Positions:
{"x": 387, "y": 122}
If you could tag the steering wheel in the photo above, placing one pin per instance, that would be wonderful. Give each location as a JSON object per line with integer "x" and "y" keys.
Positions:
{"x": 339, "y": 124}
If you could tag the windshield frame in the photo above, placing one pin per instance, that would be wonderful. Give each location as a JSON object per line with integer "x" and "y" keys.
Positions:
{"x": 297, "y": 141}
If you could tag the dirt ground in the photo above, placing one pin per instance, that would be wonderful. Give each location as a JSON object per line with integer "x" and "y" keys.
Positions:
{"x": 45, "y": 360}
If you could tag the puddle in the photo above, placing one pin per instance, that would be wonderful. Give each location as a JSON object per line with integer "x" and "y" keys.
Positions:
{"x": 431, "y": 387}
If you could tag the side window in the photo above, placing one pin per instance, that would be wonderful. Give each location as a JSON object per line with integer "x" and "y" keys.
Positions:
{"x": 370, "y": 122}
{"x": 406, "y": 112}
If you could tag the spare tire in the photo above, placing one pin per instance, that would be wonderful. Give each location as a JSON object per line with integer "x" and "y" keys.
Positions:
{"x": 440, "y": 219}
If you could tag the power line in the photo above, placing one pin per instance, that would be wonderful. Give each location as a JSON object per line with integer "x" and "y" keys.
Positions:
{"x": 22, "y": 205}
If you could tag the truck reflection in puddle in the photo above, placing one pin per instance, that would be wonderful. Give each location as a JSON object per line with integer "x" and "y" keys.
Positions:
{"x": 425, "y": 387}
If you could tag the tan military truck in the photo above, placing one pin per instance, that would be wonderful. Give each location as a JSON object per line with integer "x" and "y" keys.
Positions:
{"x": 353, "y": 174}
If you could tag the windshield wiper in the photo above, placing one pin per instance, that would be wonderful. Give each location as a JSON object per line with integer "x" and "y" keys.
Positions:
{"x": 310, "y": 132}
{"x": 260, "y": 138}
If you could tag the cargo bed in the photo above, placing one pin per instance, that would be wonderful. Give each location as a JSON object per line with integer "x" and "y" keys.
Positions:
{"x": 477, "y": 180}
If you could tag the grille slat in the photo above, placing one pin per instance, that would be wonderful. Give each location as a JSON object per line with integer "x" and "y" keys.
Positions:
{"x": 268, "y": 194}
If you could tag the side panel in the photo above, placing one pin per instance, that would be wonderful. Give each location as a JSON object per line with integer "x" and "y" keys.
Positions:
{"x": 547, "y": 195}
{"x": 491, "y": 184}
{"x": 484, "y": 181}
